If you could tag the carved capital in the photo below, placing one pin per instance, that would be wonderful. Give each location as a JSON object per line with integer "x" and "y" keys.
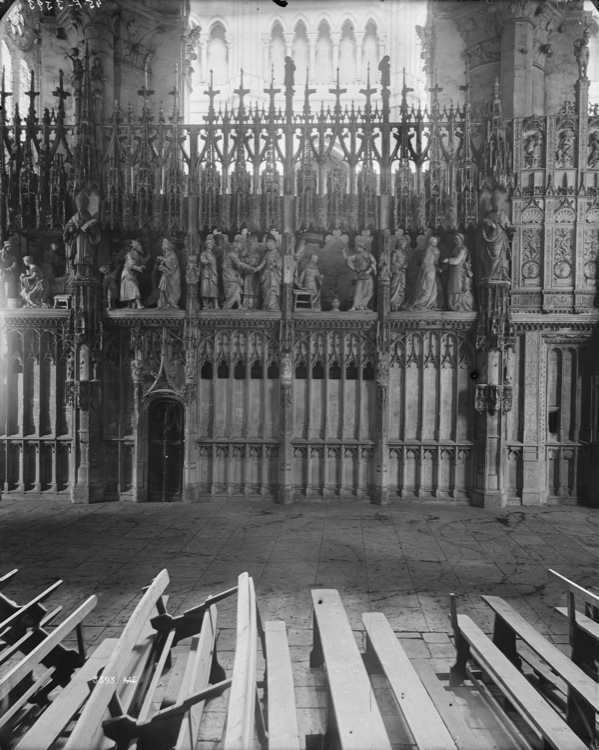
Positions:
{"x": 493, "y": 399}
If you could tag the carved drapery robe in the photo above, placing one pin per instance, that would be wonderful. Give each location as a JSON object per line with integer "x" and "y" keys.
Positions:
{"x": 170, "y": 282}
{"x": 81, "y": 237}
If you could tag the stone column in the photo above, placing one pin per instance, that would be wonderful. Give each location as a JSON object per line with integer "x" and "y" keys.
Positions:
{"x": 204, "y": 72}
{"x": 336, "y": 40}
{"x": 288, "y": 36}
{"x": 516, "y": 68}
{"x": 381, "y": 448}
{"x": 285, "y": 488}
{"x": 312, "y": 39}
{"x": 266, "y": 63}
{"x": 534, "y": 469}
{"x": 359, "y": 35}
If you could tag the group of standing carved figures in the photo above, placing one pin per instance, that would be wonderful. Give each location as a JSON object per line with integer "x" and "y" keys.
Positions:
{"x": 446, "y": 283}
{"x": 82, "y": 236}
{"x": 251, "y": 272}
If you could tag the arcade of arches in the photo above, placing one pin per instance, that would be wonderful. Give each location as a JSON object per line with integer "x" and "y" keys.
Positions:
{"x": 344, "y": 250}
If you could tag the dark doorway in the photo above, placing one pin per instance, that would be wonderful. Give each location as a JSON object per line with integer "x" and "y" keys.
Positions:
{"x": 165, "y": 460}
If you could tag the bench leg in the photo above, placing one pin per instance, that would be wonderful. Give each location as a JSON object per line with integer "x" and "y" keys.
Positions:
{"x": 316, "y": 655}
{"x": 457, "y": 673}
{"x": 505, "y": 640}
{"x": 580, "y": 717}
{"x": 585, "y": 649}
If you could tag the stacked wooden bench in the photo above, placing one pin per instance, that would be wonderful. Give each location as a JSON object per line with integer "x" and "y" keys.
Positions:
{"x": 566, "y": 723}
{"x": 110, "y": 699}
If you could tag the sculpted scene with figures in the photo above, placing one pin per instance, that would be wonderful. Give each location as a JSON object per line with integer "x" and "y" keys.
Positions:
{"x": 342, "y": 270}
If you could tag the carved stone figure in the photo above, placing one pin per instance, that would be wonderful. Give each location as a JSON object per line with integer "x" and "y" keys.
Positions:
{"x": 110, "y": 288}
{"x": 459, "y": 277}
{"x": 34, "y": 287}
{"x": 209, "y": 276}
{"x": 252, "y": 256}
{"x": 170, "y": 281}
{"x": 232, "y": 278}
{"x": 270, "y": 276}
{"x": 427, "y": 293}
{"x": 77, "y": 75}
{"x": 289, "y": 81}
{"x": 385, "y": 70}
{"x": 565, "y": 147}
{"x": 81, "y": 234}
{"x": 9, "y": 274}
{"x": 97, "y": 76}
{"x": 135, "y": 261}
{"x": 398, "y": 265}
{"x": 311, "y": 280}
{"x": 532, "y": 149}
{"x": 364, "y": 264}
{"x": 497, "y": 231}
{"x": 581, "y": 53}
{"x": 593, "y": 159}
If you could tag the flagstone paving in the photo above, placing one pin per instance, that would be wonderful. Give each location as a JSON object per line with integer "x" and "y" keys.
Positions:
{"x": 402, "y": 559}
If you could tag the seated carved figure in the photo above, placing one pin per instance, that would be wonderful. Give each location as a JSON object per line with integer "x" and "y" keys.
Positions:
{"x": 34, "y": 286}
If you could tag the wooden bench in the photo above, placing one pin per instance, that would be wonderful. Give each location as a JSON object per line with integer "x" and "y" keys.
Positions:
{"x": 245, "y": 719}
{"x": 354, "y": 716}
{"x": 419, "y": 712}
{"x": 36, "y": 660}
{"x": 583, "y": 626}
{"x": 582, "y": 693}
{"x": 472, "y": 643}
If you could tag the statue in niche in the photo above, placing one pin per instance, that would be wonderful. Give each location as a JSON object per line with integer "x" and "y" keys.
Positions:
{"x": 97, "y": 76}
{"x": 427, "y": 293}
{"x": 364, "y": 265}
{"x": 459, "y": 277}
{"x": 251, "y": 256}
{"x": 385, "y": 70}
{"x": 170, "y": 280}
{"x": 209, "y": 276}
{"x": 398, "y": 263}
{"x": 110, "y": 290}
{"x": 232, "y": 279}
{"x": 135, "y": 261}
{"x": 565, "y": 148}
{"x": 34, "y": 287}
{"x": 308, "y": 276}
{"x": 532, "y": 149}
{"x": 81, "y": 234}
{"x": 581, "y": 53}
{"x": 9, "y": 273}
{"x": 593, "y": 159}
{"x": 497, "y": 232}
{"x": 270, "y": 276}
{"x": 77, "y": 75}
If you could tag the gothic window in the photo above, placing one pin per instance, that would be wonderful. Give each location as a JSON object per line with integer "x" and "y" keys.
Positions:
{"x": 300, "y": 53}
{"x": 273, "y": 371}
{"x": 351, "y": 371}
{"x": 347, "y": 55}
{"x": 256, "y": 371}
{"x": 207, "y": 371}
{"x": 218, "y": 54}
{"x": 368, "y": 371}
{"x": 335, "y": 371}
{"x": 24, "y": 85}
{"x": 6, "y": 62}
{"x": 239, "y": 371}
{"x": 301, "y": 371}
{"x": 277, "y": 53}
{"x": 223, "y": 370}
{"x": 318, "y": 371}
{"x": 324, "y": 55}
{"x": 370, "y": 52}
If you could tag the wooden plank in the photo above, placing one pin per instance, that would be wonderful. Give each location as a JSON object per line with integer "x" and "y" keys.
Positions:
{"x": 95, "y": 708}
{"x": 283, "y": 730}
{"x": 512, "y": 683}
{"x": 63, "y": 708}
{"x": 12, "y": 678}
{"x": 358, "y": 719}
{"x": 587, "y": 596}
{"x": 7, "y": 577}
{"x": 240, "y": 721}
{"x": 25, "y": 610}
{"x": 40, "y": 682}
{"x": 444, "y": 703}
{"x": 419, "y": 712}
{"x": 588, "y": 626}
{"x": 195, "y": 678}
{"x": 550, "y": 654}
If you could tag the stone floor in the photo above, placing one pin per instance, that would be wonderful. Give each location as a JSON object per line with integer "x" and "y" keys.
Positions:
{"x": 401, "y": 559}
